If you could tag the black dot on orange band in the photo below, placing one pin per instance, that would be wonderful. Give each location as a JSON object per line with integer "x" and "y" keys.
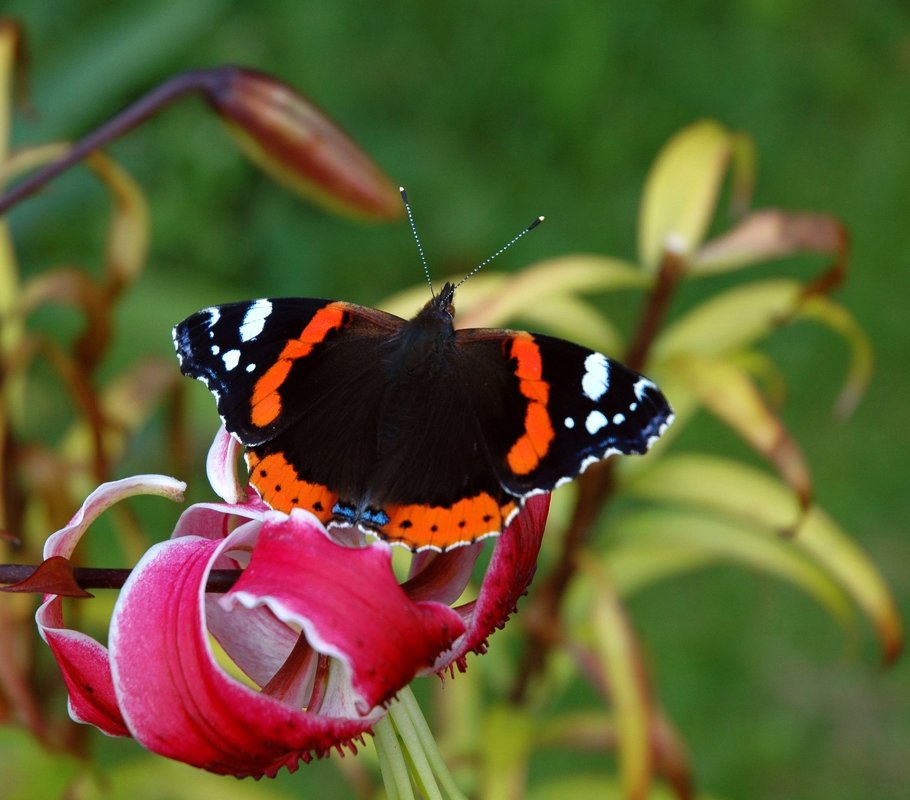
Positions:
{"x": 487, "y": 517}
{"x": 263, "y": 473}
{"x": 405, "y": 523}
{"x": 317, "y": 506}
{"x": 462, "y": 523}
{"x": 295, "y": 500}
{"x": 434, "y": 528}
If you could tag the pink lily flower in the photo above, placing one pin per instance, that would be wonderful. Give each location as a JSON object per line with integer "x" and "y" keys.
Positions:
{"x": 321, "y": 635}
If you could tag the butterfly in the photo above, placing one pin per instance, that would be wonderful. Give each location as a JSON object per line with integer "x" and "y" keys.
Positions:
{"x": 425, "y": 435}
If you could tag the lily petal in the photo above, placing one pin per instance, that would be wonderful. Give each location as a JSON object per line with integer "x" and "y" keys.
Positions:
{"x": 175, "y": 698}
{"x": 86, "y": 671}
{"x": 348, "y": 604}
{"x": 64, "y": 541}
{"x": 511, "y": 570}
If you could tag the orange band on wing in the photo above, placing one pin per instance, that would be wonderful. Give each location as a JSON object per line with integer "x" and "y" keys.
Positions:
{"x": 280, "y": 486}
{"x": 526, "y": 454}
{"x": 442, "y": 527}
{"x": 266, "y": 402}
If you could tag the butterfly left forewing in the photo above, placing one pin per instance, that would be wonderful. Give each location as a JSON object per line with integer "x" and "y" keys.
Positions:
{"x": 569, "y": 408}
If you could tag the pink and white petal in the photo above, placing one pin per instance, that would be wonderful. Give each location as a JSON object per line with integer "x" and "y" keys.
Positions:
{"x": 511, "y": 570}
{"x": 348, "y": 604}
{"x": 86, "y": 671}
{"x": 254, "y": 639}
{"x": 175, "y": 698}
{"x": 216, "y": 520}
{"x": 64, "y": 541}
{"x": 221, "y": 467}
{"x": 442, "y": 576}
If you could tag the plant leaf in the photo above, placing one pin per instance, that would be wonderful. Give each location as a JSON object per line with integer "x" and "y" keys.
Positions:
{"x": 493, "y": 298}
{"x": 507, "y": 733}
{"x": 749, "y": 495}
{"x": 684, "y": 540}
{"x": 728, "y": 393}
{"x": 731, "y": 320}
{"x": 682, "y": 188}
{"x": 566, "y": 275}
{"x": 624, "y": 675}
{"x": 769, "y": 234}
{"x": 576, "y": 320}
{"x": 822, "y": 309}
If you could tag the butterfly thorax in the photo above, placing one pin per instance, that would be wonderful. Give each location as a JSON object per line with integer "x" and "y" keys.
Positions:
{"x": 415, "y": 358}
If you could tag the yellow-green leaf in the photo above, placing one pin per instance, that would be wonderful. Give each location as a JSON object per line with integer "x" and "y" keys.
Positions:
{"x": 728, "y": 393}
{"x": 624, "y": 673}
{"x": 491, "y": 299}
{"x": 507, "y": 736}
{"x": 575, "y": 320}
{"x": 566, "y": 275}
{"x": 747, "y": 494}
{"x": 683, "y": 540}
{"x": 730, "y": 320}
{"x": 824, "y": 310}
{"x": 682, "y": 188}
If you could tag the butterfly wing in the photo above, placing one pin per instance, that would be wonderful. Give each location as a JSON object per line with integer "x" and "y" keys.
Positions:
{"x": 292, "y": 378}
{"x": 567, "y": 407}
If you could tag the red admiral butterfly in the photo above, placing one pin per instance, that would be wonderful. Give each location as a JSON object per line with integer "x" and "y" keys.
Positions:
{"x": 419, "y": 433}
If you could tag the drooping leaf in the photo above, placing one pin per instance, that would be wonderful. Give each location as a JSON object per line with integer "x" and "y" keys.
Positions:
{"x": 491, "y": 299}
{"x": 730, "y": 320}
{"x": 770, "y": 234}
{"x": 52, "y": 576}
{"x": 655, "y": 544}
{"x": 507, "y": 736}
{"x": 745, "y": 494}
{"x": 574, "y": 319}
{"x": 728, "y": 393}
{"x": 825, "y": 311}
{"x": 682, "y": 187}
{"x": 624, "y": 674}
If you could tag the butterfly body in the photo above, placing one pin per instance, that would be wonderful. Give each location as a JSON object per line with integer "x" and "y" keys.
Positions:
{"x": 422, "y": 434}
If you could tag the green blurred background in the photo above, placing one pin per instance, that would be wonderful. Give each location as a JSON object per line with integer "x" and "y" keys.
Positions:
{"x": 491, "y": 114}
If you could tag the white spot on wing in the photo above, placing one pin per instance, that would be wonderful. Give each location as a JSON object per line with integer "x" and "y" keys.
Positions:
{"x": 254, "y": 320}
{"x": 619, "y": 419}
{"x": 569, "y": 422}
{"x": 215, "y": 349}
{"x": 595, "y": 422}
{"x": 231, "y": 359}
{"x": 214, "y": 316}
{"x": 250, "y": 367}
{"x": 641, "y": 385}
{"x": 596, "y": 380}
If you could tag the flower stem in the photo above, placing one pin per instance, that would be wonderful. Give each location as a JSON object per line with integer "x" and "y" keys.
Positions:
{"x": 408, "y": 754}
{"x": 125, "y": 121}
{"x": 220, "y": 580}
{"x": 391, "y": 761}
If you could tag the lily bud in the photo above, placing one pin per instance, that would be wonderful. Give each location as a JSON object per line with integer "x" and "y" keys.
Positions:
{"x": 285, "y": 134}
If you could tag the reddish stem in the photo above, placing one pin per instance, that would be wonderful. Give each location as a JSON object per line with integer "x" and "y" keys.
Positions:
{"x": 219, "y": 581}
{"x": 204, "y": 80}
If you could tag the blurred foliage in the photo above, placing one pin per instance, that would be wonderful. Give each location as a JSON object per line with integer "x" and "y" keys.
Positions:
{"x": 488, "y": 115}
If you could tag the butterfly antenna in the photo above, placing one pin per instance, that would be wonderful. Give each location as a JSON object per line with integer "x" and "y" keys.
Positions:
{"x": 501, "y": 250}
{"x": 423, "y": 258}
